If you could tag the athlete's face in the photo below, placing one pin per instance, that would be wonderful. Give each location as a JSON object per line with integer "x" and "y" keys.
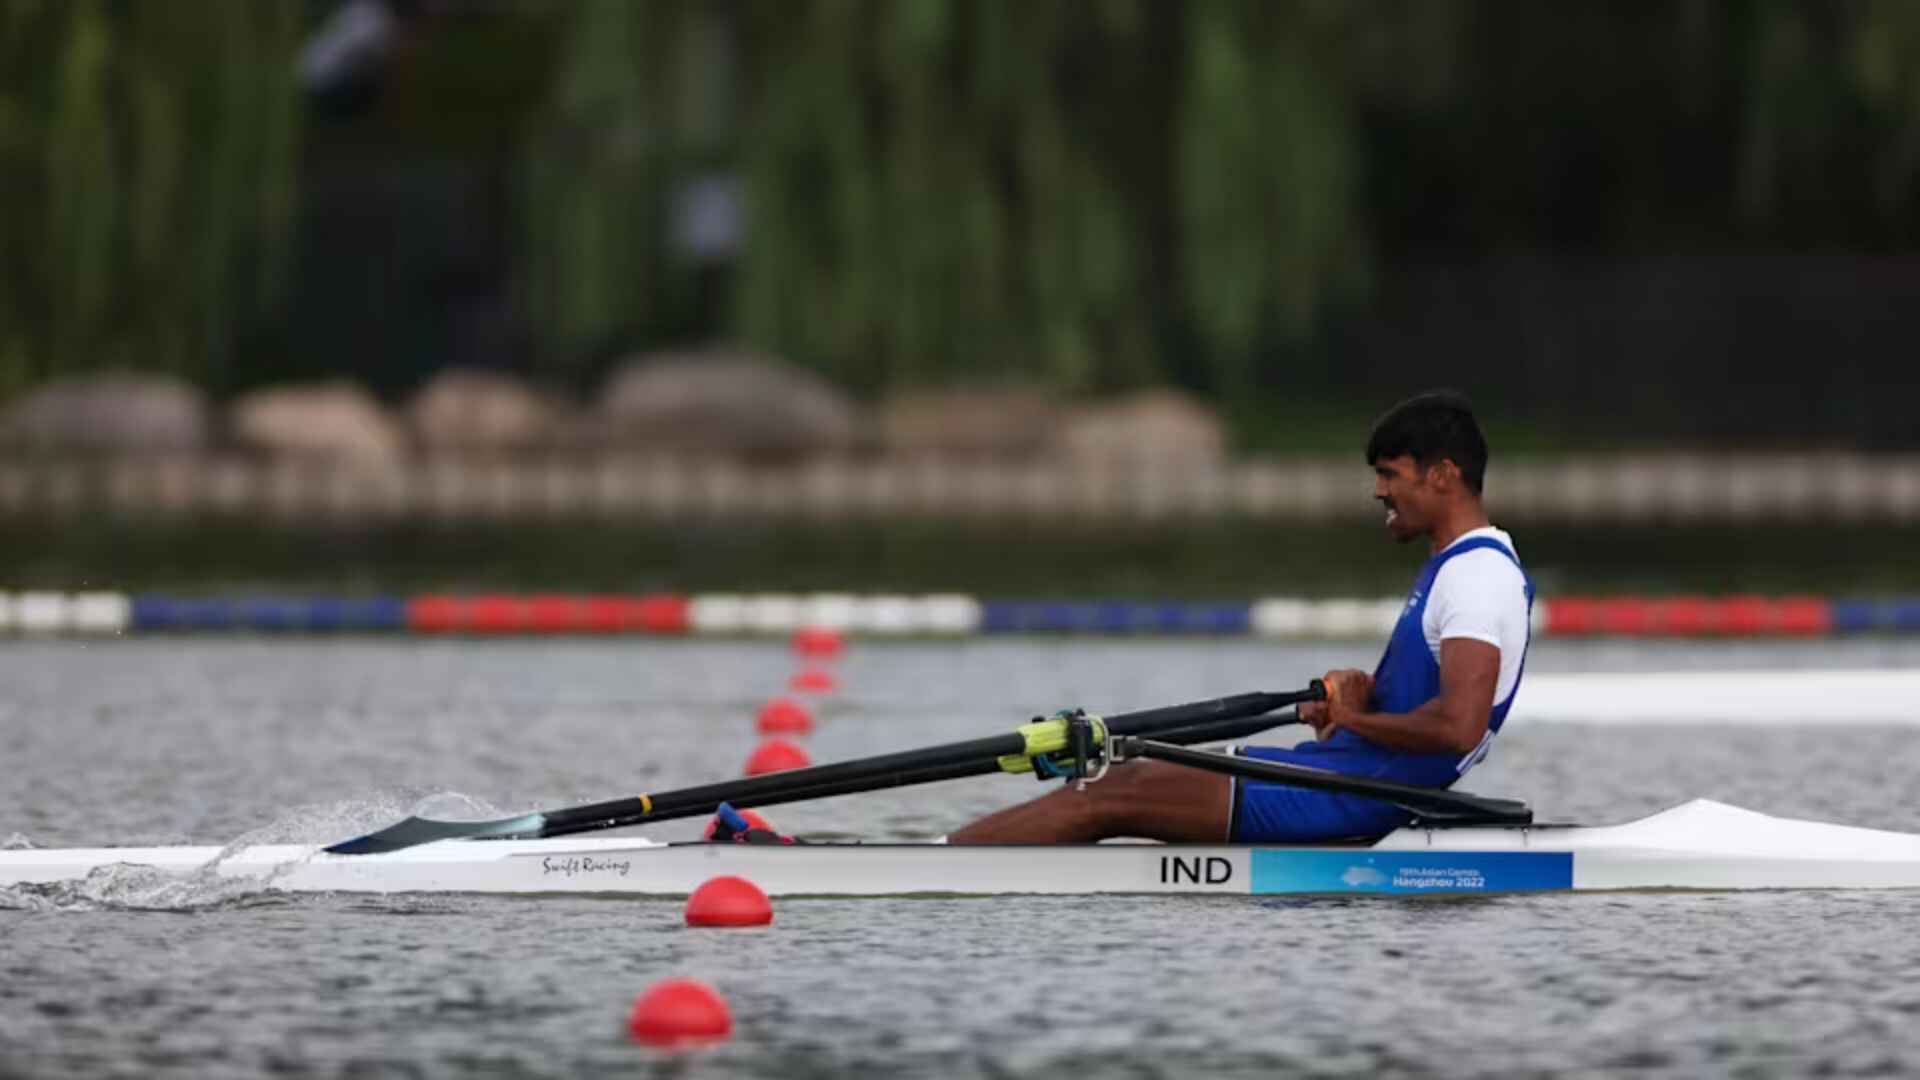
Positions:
{"x": 1409, "y": 492}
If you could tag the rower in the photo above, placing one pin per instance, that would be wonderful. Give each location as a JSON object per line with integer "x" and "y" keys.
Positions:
{"x": 1427, "y": 713}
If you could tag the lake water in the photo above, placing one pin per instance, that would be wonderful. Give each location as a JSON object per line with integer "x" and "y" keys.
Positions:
{"x": 218, "y": 741}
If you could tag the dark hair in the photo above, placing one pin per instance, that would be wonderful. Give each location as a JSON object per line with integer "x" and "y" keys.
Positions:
{"x": 1429, "y": 427}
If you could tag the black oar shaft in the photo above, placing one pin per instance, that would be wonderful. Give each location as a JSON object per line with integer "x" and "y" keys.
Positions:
{"x": 758, "y": 790}
{"x": 1435, "y": 804}
{"x": 904, "y": 778}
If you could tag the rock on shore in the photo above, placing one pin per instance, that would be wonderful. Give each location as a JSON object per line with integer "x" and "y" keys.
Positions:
{"x": 1159, "y": 426}
{"x": 334, "y": 420}
{"x": 736, "y": 405}
{"x": 483, "y": 413}
{"x": 1001, "y": 424}
{"x": 111, "y": 413}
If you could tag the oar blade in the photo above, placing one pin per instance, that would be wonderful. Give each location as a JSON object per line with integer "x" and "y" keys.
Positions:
{"x": 418, "y": 830}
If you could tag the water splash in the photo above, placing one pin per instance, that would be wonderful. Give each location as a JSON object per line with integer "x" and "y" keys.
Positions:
{"x": 17, "y": 842}
{"x": 458, "y": 806}
{"x": 214, "y": 885}
{"x": 126, "y": 887}
{"x": 327, "y": 823}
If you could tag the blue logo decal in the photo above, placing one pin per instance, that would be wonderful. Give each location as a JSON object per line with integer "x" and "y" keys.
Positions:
{"x": 1291, "y": 870}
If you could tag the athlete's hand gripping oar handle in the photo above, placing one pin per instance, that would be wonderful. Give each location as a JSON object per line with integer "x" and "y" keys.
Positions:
{"x": 1434, "y": 804}
{"x": 844, "y": 777}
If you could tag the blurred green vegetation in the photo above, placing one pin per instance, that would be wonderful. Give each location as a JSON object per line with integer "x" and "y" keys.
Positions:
{"x": 148, "y": 155}
{"x": 1088, "y": 195}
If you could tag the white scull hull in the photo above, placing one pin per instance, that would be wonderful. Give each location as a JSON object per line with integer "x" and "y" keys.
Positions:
{"x": 1700, "y": 845}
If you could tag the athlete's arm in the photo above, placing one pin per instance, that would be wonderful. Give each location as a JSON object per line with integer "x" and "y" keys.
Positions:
{"x": 1453, "y": 722}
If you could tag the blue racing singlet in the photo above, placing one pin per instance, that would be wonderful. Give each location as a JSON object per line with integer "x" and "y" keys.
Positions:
{"x": 1407, "y": 678}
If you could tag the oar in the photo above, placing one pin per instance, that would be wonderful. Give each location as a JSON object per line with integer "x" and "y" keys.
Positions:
{"x": 1018, "y": 748}
{"x": 1211, "y": 731}
{"x": 1433, "y": 804}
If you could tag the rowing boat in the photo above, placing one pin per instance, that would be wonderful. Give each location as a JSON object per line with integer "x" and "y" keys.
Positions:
{"x": 1701, "y": 845}
{"x": 1457, "y": 842}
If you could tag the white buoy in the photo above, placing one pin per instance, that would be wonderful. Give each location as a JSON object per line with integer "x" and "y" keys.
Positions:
{"x": 773, "y": 614}
{"x": 1281, "y": 617}
{"x": 717, "y": 613}
{"x": 41, "y": 612}
{"x": 830, "y": 611}
{"x": 950, "y": 613}
{"x": 101, "y": 613}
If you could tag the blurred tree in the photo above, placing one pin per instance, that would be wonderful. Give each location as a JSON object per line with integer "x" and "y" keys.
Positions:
{"x": 945, "y": 189}
{"x": 1270, "y": 159}
{"x": 638, "y": 105}
{"x": 1882, "y": 54}
{"x": 940, "y": 190}
{"x": 147, "y": 158}
{"x": 1832, "y": 85}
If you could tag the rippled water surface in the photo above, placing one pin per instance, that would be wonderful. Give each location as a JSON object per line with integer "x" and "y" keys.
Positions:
{"x": 222, "y": 741}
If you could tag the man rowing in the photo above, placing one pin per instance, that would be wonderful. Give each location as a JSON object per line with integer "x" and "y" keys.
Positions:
{"x": 1425, "y": 716}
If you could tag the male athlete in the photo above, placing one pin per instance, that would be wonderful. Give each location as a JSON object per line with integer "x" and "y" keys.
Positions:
{"x": 1425, "y": 715}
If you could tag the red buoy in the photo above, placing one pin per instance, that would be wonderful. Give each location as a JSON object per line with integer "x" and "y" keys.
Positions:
{"x": 497, "y": 614}
{"x": 680, "y": 1012}
{"x": 1688, "y": 616}
{"x": 1571, "y": 615}
{"x": 784, "y": 716}
{"x": 820, "y": 642}
{"x": 728, "y": 901}
{"x": 754, "y": 820}
{"x": 436, "y": 615}
{"x": 1629, "y": 616}
{"x": 776, "y": 755}
{"x": 812, "y": 680}
{"x": 1805, "y": 616}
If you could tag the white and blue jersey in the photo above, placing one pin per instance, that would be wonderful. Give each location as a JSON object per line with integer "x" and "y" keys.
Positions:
{"x": 1474, "y": 588}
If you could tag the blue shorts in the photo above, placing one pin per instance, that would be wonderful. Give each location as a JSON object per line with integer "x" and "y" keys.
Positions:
{"x": 1269, "y": 813}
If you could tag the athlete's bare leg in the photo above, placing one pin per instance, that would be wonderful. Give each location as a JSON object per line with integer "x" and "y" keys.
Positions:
{"x": 1151, "y": 800}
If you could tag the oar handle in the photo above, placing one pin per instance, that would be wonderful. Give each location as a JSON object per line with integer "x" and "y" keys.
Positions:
{"x": 1236, "y": 705}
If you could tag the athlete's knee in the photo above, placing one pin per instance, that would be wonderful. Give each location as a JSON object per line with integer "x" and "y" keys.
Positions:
{"x": 1126, "y": 785}
{"x": 1104, "y": 806}
{"x": 1135, "y": 797}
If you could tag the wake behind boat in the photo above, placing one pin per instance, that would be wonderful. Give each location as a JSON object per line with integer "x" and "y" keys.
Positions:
{"x": 1701, "y": 845}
